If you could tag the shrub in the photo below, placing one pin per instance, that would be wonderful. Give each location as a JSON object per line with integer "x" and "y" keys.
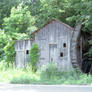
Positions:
{"x": 53, "y": 73}
{"x": 50, "y": 72}
{"x": 9, "y": 51}
{"x": 3, "y": 42}
{"x": 21, "y": 80}
{"x": 3, "y": 65}
{"x": 34, "y": 55}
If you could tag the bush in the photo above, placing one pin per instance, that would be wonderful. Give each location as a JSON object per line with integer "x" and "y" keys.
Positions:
{"x": 3, "y": 65}
{"x": 50, "y": 75}
{"x": 9, "y": 52}
{"x": 21, "y": 80}
{"x": 50, "y": 72}
{"x": 53, "y": 73}
{"x": 3, "y": 42}
{"x": 34, "y": 55}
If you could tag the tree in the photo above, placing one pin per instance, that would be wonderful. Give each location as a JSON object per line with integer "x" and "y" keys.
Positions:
{"x": 5, "y": 7}
{"x": 45, "y": 11}
{"x": 9, "y": 52}
{"x": 3, "y": 42}
{"x": 19, "y": 21}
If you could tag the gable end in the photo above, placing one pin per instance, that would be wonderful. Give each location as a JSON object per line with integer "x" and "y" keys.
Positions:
{"x": 49, "y": 22}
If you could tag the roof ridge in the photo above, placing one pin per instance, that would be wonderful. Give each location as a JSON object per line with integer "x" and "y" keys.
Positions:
{"x": 48, "y": 22}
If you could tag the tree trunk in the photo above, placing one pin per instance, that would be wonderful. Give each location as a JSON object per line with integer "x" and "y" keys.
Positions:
{"x": 74, "y": 44}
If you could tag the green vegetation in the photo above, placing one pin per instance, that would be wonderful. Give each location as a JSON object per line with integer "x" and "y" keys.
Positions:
{"x": 5, "y": 7}
{"x": 14, "y": 27}
{"x": 3, "y": 42}
{"x": 34, "y": 56}
{"x": 27, "y": 76}
{"x": 50, "y": 71}
{"x": 9, "y": 52}
{"x": 19, "y": 21}
{"x": 19, "y": 18}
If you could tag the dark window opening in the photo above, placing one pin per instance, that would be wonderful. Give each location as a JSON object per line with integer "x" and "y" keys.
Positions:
{"x": 64, "y": 45}
{"x": 27, "y": 51}
{"x": 61, "y": 54}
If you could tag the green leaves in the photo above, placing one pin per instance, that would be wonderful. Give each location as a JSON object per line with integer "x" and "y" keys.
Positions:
{"x": 3, "y": 42}
{"x": 19, "y": 21}
{"x": 5, "y": 7}
{"x": 34, "y": 54}
{"x": 9, "y": 51}
{"x": 17, "y": 26}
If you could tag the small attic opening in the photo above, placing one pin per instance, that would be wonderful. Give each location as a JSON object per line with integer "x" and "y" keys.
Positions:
{"x": 27, "y": 52}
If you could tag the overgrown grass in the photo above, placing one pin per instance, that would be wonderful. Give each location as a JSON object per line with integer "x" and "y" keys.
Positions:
{"x": 50, "y": 75}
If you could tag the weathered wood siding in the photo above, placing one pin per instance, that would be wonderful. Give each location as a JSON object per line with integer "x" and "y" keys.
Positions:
{"x": 22, "y": 52}
{"x": 54, "y": 44}
{"x": 54, "y": 40}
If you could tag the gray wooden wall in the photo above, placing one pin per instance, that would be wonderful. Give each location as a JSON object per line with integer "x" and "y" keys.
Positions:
{"x": 51, "y": 40}
{"x": 22, "y": 48}
{"x": 54, "y": 46}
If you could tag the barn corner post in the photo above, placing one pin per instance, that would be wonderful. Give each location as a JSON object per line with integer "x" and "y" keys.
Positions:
{"x": 74, "y": 47}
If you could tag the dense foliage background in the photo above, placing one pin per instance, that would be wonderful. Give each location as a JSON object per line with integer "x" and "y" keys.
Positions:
{"x": 18, "y": 18}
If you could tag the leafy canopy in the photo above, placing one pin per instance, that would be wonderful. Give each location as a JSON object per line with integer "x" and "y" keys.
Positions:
{"x": 5, "y": 7}
{"x": 19, "y": 21}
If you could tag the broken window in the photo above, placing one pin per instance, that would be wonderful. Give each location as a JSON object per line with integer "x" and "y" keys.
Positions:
{"x": 64, "y": 45}
{"x": 61, "y": 54}
{"x": 27, "y": 51}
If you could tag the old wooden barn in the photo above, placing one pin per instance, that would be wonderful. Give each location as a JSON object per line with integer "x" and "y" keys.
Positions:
{"x": 58, "y": 43}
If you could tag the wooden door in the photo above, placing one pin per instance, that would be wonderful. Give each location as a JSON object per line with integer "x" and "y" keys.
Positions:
{"x": 52, "y": 52}
{"x": 20, "y": 59}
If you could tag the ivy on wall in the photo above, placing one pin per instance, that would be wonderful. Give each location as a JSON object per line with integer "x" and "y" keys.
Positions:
{"x": 34, "y": 56}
